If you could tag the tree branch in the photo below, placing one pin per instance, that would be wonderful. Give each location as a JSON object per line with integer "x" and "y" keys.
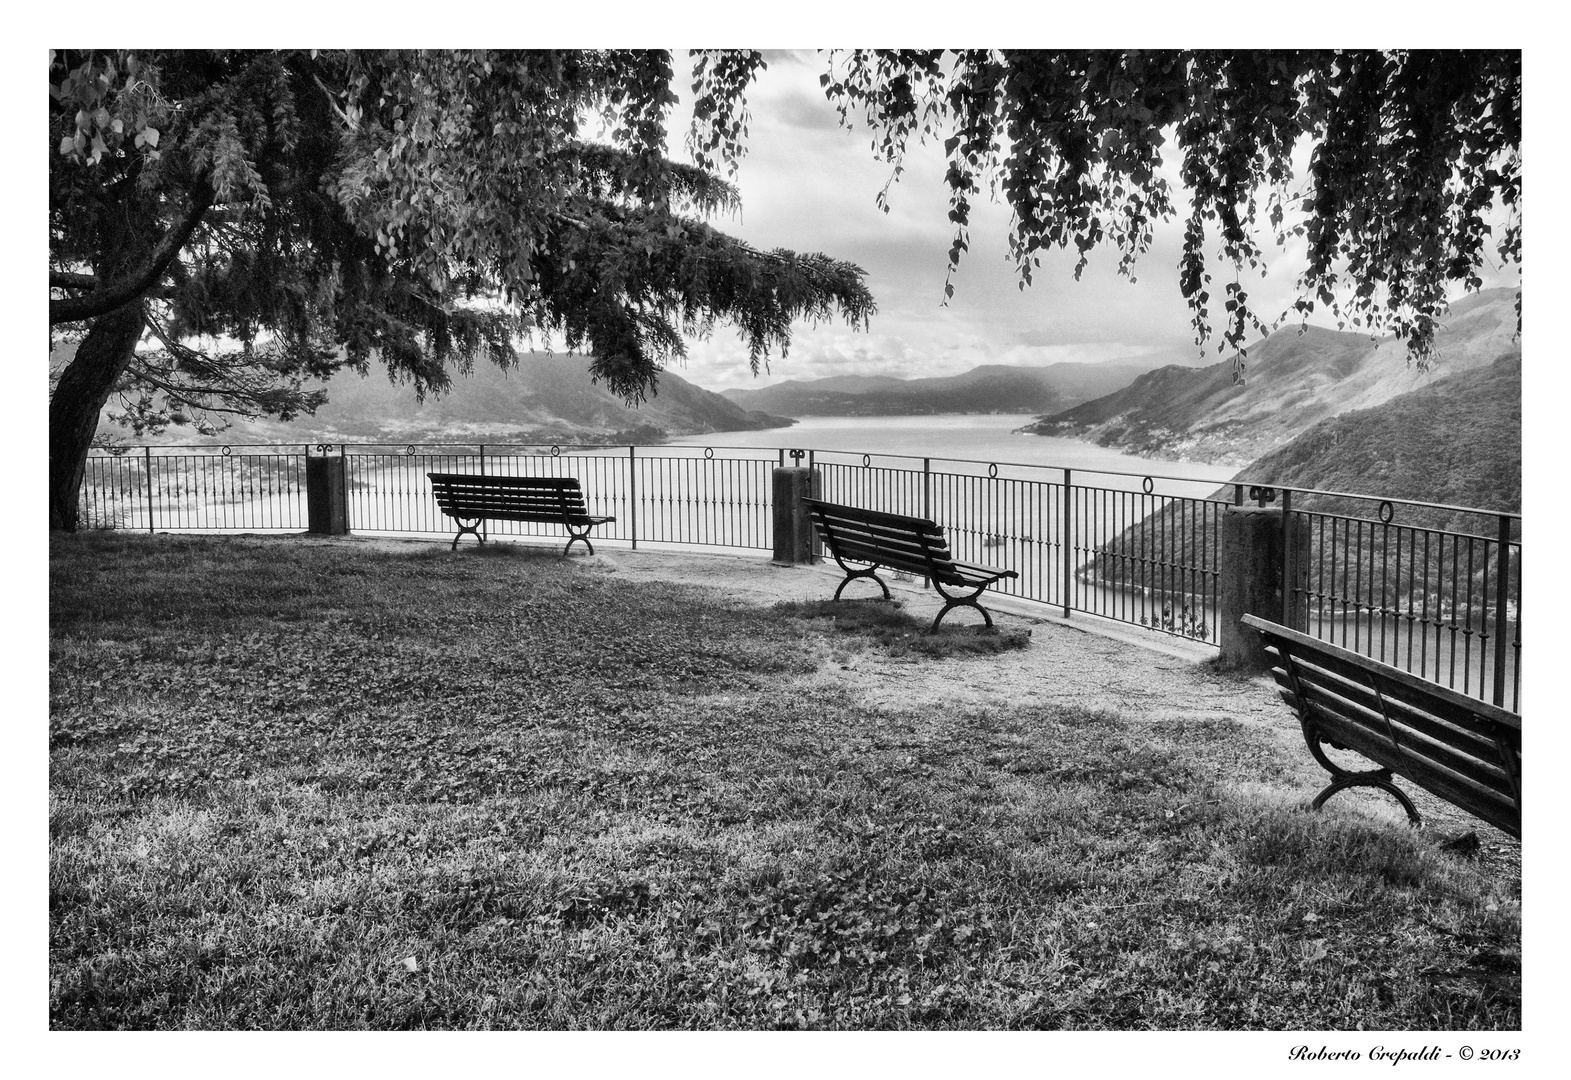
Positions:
{"x": 78, "y": 308}
{"x": 62, "y": 279}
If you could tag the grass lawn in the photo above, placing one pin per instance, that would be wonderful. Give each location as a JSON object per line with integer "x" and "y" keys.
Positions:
{"x": 306, "y": 785}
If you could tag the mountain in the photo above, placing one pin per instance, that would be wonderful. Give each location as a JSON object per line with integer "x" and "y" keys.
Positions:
{"x": 546, "y": 398}
{"x": 1456, "y": 441}
{"x": 1295, "y": 379}
{"x": 989, "y": 388}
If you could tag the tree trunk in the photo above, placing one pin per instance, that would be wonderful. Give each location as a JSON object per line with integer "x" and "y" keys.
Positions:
{"x": 79, "y": 397}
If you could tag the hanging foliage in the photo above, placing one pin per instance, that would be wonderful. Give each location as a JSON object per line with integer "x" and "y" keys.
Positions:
{"x": 1413, "y": 159}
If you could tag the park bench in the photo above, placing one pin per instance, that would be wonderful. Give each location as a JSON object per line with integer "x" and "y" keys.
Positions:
{"x": 1467, "y": 752}
{"x": 910, "y": 544}
{"x": 557, "y": 500}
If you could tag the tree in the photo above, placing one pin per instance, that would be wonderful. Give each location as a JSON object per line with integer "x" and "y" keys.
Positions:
{"x": 264, "y": 219}
{"x": 1412, "y": 153}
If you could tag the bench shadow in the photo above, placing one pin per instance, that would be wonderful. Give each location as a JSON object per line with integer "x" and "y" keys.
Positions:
{"x": 886, "y": 623}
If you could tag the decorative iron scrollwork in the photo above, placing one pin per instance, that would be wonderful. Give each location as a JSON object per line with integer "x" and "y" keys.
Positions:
{"x": 798, "y": 455}
{"x": 226, "y": 451}
{"x": 409, "y": 451}
{"x": 992, "y": 471}
{"x": 1263, "y": 495}
{"x": 709, "y": 453}
{"x": 1148, "y": 485}
{"x": 556, "y": 451}
{"x": 867, "y": 460}
{"x": 1386, "y": 512}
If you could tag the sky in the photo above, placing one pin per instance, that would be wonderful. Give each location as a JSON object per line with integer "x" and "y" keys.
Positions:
{"x": 809, "y": 184}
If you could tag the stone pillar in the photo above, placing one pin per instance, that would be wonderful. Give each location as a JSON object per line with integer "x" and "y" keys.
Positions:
{"x": 1251, "y": 564}
{"x": 796, "y": 541}
{"x": 326, "y": 501}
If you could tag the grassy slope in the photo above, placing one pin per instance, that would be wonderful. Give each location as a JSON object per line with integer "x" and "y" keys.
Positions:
{"x": 304, "y": 785}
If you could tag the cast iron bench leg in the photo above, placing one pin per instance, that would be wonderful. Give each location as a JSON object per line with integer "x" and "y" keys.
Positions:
{"x": 852, "y": 575}
{"x": 1342, "y": 778}
{"x": 576, "y": 537}
{"x": 473, "y": 530}
{"x": 952, "y": 602}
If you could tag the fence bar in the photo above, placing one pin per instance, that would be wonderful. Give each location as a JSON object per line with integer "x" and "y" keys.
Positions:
{"x": 632, "y": 496}
{"x": 1067, "y": 517}
{"x": 1502, "y": 588}
{"x": 1287, "y": 560}
{"x": 147, "y": 469}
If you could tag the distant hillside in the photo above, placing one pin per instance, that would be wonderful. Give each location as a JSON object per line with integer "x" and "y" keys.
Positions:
{"x": 989, "y": 388}
{"x": 1456, "y": 441}
{"x": 545, "y": 398}
{"x": 1295, "y": 380}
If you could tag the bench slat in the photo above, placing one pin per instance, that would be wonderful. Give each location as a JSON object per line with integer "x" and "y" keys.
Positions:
{"x": 557, "y": 506}
{"x": 1475, "y": 706}
{"x": 488, "y": 481}
{"x": 879, "y": 555}
{"x": 905, "y": 543}
{"x": 1466, "y": 735}
{"x": 1437, "y": 710}
{"x": 855, "y": 515}
{"x": 1328, "y": 706}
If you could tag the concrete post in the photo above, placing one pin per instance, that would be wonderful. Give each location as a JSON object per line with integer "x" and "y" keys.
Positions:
{"x": 795, "y": 539}
{"x": 326, "y": 501}
{"x": 1251, "y": 566}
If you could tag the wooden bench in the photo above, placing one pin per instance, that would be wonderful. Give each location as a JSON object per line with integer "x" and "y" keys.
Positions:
{"x": 1466, "y": 751}
{"x": 556, "y": 500}
{"x": 911, "y": 544}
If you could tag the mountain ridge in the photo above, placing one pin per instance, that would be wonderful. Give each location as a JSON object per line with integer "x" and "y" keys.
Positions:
{"x": 987, "y": 388}
{"x": 1295, "y": 379}
{"x": 543, "y": 398}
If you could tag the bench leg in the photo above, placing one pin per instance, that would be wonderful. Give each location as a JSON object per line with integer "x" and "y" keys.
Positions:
{"x": 852, "y": 575}
{"x": 951, "y": 602}
{"x": 576, "y": 538}
{"x": 472, "y": 529}
{"x": 1342, "y": 778}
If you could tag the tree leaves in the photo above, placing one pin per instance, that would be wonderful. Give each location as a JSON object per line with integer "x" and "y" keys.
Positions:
{"x": 1412, "y": 154}
{"x": 421, "y": 208}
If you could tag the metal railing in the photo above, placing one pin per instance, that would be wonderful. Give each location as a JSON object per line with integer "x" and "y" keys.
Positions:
{"x": 1113, "y": 546}
{"x": 1424, "y": 593}
{"x": 1437, "y": 593}
{"x": 207, "y": 488}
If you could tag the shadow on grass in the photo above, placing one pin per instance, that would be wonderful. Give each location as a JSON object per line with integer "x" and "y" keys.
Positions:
{"x": 888, "y": 625}
{"x": 497, "y": 549}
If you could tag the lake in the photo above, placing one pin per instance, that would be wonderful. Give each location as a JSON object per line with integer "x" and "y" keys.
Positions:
{"x": 979, "y": 437}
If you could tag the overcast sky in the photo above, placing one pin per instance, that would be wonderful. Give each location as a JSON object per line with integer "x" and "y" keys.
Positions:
{"x": 809, "y": 184}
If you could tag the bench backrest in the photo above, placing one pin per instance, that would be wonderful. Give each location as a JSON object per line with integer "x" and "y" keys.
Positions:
{"x": 509, "y": 498}
{"x": 912, "y": 544}
{"x": 1464, "y": 750}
